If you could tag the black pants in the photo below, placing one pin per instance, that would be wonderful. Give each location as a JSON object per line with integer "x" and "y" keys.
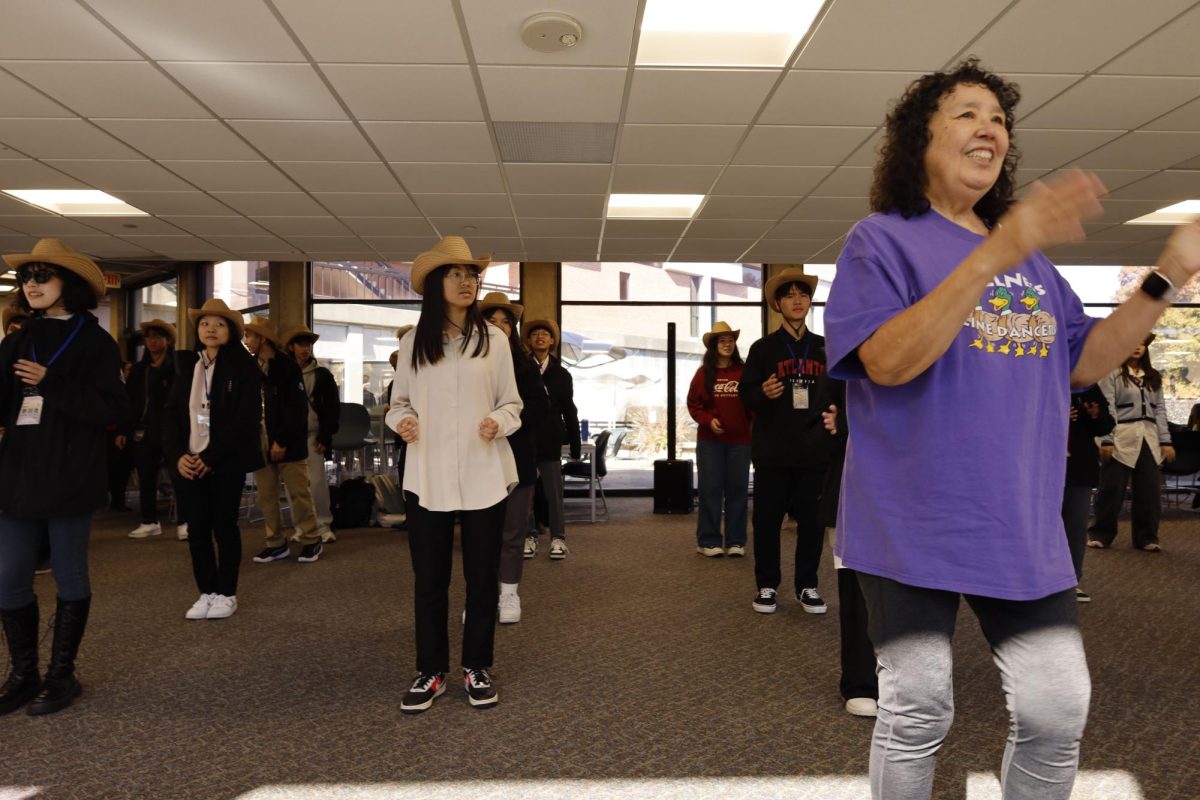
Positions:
{"x": 858, "y": 656}
{"x": 148, "y": 458}
{"x": 1147, "y": 501}
{"x": 431, "y": 544}
{"x": 213, "y": 503}
{"x": 1076, "y": 505}
{"x": 120, "y": 465}
{"x": 779, "y": 491}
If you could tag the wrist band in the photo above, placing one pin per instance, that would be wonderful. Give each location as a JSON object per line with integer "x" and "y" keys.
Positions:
{"x": 1158, "y": 287}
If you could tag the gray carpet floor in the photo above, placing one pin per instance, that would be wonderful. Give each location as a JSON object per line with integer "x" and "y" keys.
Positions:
{"x": 639, "y": 670}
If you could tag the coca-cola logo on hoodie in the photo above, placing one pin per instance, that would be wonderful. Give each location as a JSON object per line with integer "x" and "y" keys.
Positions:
{"x": 725, "y": 387}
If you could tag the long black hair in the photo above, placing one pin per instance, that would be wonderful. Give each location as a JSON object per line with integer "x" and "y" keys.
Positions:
{"x": 900, "y": 180}
{"x": 709, "y": 364}
{"x": 522, "y": 360}
{"x": 1151, "y": 378}
{"x": 427, "y": 341}
{"x": 77, "y": 294}
{"x": 234, "y": 351}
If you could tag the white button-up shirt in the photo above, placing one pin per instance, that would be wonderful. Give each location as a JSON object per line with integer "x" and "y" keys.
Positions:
{"x": 449, "y": 467}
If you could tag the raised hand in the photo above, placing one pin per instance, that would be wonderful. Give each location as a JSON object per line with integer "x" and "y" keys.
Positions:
{"x": 1052, "y": 213}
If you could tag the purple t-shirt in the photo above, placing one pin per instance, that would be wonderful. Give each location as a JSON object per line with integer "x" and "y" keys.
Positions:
{"x": 954, "y": 480}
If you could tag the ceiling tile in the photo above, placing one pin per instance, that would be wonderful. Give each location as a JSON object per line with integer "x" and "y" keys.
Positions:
{"x": 786, "y": 251}
{"x": 1118, "y": 211}
{"x": 303, "y": 226}
{"x": 789, "y": 181}
{"x": 366, "y": 204}
{"x": 1112, "y": 103}
{"x": 1144, "y": 150}
{"x": 788, "y": 145}
{"x": 169, "y": 245}
{"x": 867, "y": 153}
{"x": 832, "y": 208}
{"x": 114, "y": 176}
{"x": 23, "y": 173}
{"x": 562, "y": 205}
{"x": 660, "y": 179}
{"x": 259, "y": 91}
{"x": 1169, "y": 51}
{"x": 1068, "y": 35}
{"x": 108, "y": 247}
{"x": 718, "y": 207}
{"x": 218, "y": 30}
{"x": 1169, "y": 187}
{"x": 716, "y": 250}
{"x": 415, "y": 31}
{"x": 697, "y": 95}
{"x": 218, "y": 226}
{"x": 644, "y": 228}
{"x": 1191, "y": 163}
{"x": 1113, "y": 179}
{"x": 464, "y": 205}
{"x": 1186, "y": 118}
{"x": 847, "y": 182}
{"x": 341, "y": 176}
{"x": 475, "y": 227}
{"x": 232, "y": 176}
{"x": 810, "y": 229}
{"x": 403, "y": 248}
{"x": 327, "y": 244}
{"x": 48, "y": 225}
{"x": 728, "y": 228}
{"x": 269, "y": 204}
{"x": 554, "y": 178}
{"x": 176, "y": 203}
{"x": 312, "y": 140}
{"x": 606, "y": 40}
{"x": 658, "y": 245}
{"x": 19, "y": 100}
{"x": 246, "y": 243}
{"x": 432, "y": 141}
{"x": 564, "y": 94}
{"x": 535, "y": 226}
{"x": 134, "y": 226}
{"x": 1046, "y": 149}
{"x": 179, "y": 139}
{"x": 58, "y": 29}
{"x": 109, "y": 88}
{"x": 388, "y": 226}
{"x": 450, "y": 178}
{"x": 678, "y": 144}
{"x": 404, "y": 92}
{"x": 1036, "y": 90}
{"x": 835, "y": 98}
{"x": 556, "y": 245}
{"x": 60, "y": 138}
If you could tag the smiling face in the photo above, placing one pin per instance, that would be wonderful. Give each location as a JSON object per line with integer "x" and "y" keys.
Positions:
{"x": 540, "y": 341}
{"x": 42, "y": 285}
{"x": 254, "y": 342}
{"x": 213, "y": 331}
{"x": 967, "y": 146}
{"x": 725, "y": 345}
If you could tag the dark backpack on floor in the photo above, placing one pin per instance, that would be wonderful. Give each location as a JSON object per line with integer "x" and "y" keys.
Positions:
{"x": 352, "y": 504}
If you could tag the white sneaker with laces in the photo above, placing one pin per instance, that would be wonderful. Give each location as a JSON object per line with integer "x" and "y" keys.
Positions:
{"x": 510, "y": 609}
{"x": 222, "y": 607}
{"x": 558, "y": 549}
{"x": 811, "y": 601}
{"x": 181, "y": 532}
{"x": 199, "y": 609}
{"x": 862, "y": 707}
{"x": 145, "y": 530}
{"x": 530, "y": 547}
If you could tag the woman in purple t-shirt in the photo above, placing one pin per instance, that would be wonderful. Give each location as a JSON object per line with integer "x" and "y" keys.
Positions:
{"x": 959, "y": 342}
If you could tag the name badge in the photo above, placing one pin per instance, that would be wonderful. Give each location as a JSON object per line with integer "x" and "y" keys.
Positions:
{"x": 31, "y": 410}
{"x": 202, "y": 420}
{"x": 799, "y": 396}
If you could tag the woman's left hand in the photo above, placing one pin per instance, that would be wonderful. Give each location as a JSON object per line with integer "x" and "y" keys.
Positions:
{"x": 488, "y": 429}
{"x": 1168, "y": 453}
{"x": 29, "y": 372}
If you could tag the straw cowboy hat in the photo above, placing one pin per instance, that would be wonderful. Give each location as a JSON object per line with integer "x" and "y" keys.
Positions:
{"x": 60, "y": 254}
{"x": 160, "y": 325}
{"x": 266, "y": 329}
{"x": 295, "y": 332}
{"x": 789, "y": 275}
{"x": 719, "y": 329}
{"x": 549, "y": 324}
{"x": 8, "y": 315}
{"x": 450, "y": 250}
{"x": 215, "y": 307}
{"x": 403, "y": 329}
{"x": 500, "y": 300}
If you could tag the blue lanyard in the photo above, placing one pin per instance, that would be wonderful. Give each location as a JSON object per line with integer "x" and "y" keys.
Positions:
{"x": 799, "y": 362}
{"x": 61, "y": 348}
{"x": 204, "y": 372}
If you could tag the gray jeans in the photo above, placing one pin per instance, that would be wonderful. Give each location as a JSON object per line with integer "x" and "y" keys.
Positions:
{"x": 1038, "y": 648}
{"x": 516, "y": 528}
{"x": 550, "y": 474}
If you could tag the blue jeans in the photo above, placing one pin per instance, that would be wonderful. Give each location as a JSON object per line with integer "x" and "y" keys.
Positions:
{"x": 724, "y": 482}
{"x": 19, "y": 543}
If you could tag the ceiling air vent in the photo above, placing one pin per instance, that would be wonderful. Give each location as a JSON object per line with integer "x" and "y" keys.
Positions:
{"x": 556, "y": 142}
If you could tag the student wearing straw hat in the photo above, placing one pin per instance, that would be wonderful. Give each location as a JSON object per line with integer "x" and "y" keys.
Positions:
{"x": 454, "y": 401}
{"x": 324, "y": 419}
{"x": 60, "y": 388}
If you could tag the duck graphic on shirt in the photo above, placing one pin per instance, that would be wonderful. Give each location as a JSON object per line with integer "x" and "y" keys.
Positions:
{"x": 1019, "y": 323}
{"x": 987, "y": 324}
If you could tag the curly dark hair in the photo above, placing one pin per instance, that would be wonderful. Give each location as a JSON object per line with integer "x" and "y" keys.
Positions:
{"x": 900, "y": 180}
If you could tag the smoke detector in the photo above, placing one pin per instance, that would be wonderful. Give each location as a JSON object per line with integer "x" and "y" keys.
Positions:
{"x": 551, "y": 32}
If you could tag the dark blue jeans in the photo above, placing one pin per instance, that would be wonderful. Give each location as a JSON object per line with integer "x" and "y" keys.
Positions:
{"x": 724, "y": 481}
{"x": 20, "y": 540}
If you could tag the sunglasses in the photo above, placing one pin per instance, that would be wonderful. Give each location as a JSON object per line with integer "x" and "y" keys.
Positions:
{"x": 38, "y": 273}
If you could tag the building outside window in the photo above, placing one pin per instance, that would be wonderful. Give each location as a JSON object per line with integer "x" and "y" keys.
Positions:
{"x": 243, "y": 285}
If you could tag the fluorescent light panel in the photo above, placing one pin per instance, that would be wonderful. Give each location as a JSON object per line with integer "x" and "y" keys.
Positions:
{"x": 1178, "y": 214}
{"x": 719, "y": 33}
{"x": 653, "y": 206}
{"x": 76, "y": 202}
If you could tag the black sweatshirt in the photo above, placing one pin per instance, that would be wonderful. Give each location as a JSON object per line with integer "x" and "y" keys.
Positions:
{"x": 148, "y": 387}
{"x": 561, "y": 424}
{"x": 1083, "y": 458}
{"x": 234, "y": 446}
{"x": 783, "y": 436}
{"x": 535, "y": 409}
{"x": 285, "y": 408}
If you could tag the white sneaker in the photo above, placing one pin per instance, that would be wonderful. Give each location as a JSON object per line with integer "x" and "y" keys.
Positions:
{"x": 222, "y": 607}
{"x": 711, "y": 552}
{"x": 530, "y": 547}
{"x": 145, "y": 530}
{"x": 862, "y": 707}
{"x": 558, "y": 549}
{"x": 199, "y": 609}
{"x": 510, "y": 609}
{"x": 328, "y": 535}
{"x": 181, "y": 532}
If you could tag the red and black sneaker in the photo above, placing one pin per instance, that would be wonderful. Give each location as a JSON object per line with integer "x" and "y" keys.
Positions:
{"x": 480, "y": 691}
{"x": 424, "y": 690}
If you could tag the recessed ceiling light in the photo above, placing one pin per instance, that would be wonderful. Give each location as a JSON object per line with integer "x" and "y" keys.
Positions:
{"x": 1178, "y": 214}
{"x": 746, "y": 33}
{"x": 76, "y": 202}
{"x": 653, "y": 206}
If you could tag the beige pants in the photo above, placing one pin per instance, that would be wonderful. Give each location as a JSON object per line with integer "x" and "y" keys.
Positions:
{"x": 294, "y": 475}
{"x": 318, "y": 485}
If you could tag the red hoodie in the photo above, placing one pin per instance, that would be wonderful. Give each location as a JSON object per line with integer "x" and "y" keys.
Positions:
{"x": 722, "y": 403}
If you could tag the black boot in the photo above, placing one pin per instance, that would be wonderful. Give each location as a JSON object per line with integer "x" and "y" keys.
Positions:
{"x": 21, "y": 632}
{"x": 60, "y": 687}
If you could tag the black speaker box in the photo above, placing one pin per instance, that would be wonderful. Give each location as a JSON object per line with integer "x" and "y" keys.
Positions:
{"x": 673, "y": 487}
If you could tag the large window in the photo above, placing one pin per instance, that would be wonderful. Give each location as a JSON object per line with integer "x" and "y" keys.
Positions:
{"x": 243, "y": 285}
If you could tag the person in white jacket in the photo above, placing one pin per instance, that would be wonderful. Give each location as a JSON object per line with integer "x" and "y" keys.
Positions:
{"x": 454, "y": 401}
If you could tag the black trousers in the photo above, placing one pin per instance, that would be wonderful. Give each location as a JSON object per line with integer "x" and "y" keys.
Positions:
{"x": 1075, "y": 508}
{"x": 120, "y": 465}
{"x": 213, "y": 503}
{"x": 858, "y": 656}
{"x": 431, "y": 544}
{"x": 779, "y": 491}
{"x": 148, "y": 458}
{"x": 1147, "y": 500}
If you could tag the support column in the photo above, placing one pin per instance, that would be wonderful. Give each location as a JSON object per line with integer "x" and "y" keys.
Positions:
{"x": 289, "y": 293}
{"x": 539, "y": 290}
{"x": 185, "y": 298}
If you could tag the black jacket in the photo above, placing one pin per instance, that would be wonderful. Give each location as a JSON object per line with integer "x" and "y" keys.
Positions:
{"x": 234, "y": 446}
{"x": 148, "y": 387}
{"x": 1083, "y": 458}
{"x": 327, "y": 403}
{"x": 535, "y": 410}
{"x": 561, "y": 424}
{"x": 285, "y": 406}
{"x": 58, "y": 468}
{"x": 783, "y": 436}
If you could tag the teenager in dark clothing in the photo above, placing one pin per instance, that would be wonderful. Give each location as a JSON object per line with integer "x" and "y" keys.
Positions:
{"x": 1090, "y": 418}
{"x": 211, "y": 435}
{"x": 505, "y": 316}
{"x": 60, "y": 388}
{"x": 560, "y": 426}
{"x": 324, "y": 419}
{"x": 401, "y": 445}
{"x": 148, "y": 387}
{"x": 784, "y": 385}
